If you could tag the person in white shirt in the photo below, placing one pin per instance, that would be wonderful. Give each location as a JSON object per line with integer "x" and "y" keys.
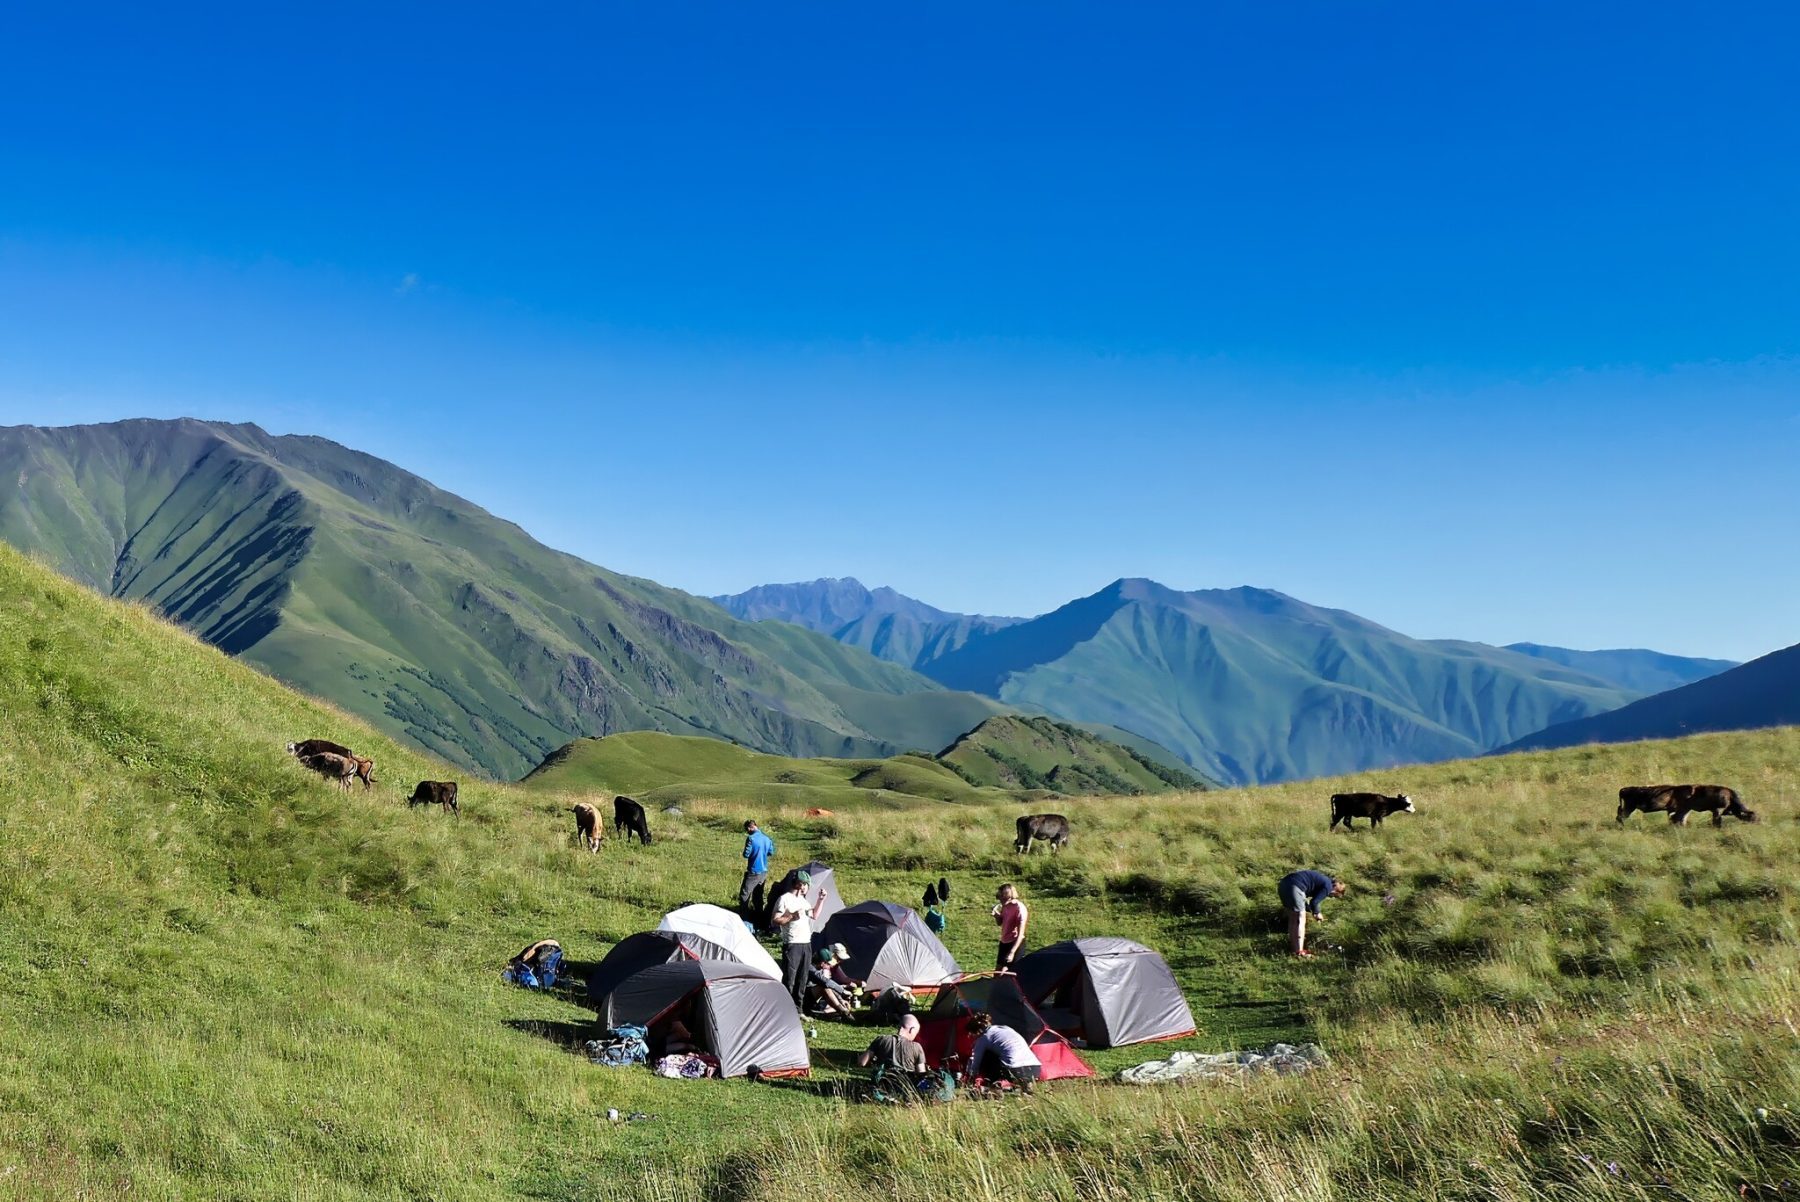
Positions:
{"x": 1001, "y": 1052}
{"x": 794, "y": 915}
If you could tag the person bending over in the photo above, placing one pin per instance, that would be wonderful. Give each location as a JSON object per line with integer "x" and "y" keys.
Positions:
{"x": 1001, "y": 1053}
{"x": 899, "y": 1051}
{"x": 1303, "y": 891}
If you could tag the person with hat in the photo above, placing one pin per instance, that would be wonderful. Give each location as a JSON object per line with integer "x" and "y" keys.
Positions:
{"x": 794, "y": 916}
{"x": 831, "y": 989}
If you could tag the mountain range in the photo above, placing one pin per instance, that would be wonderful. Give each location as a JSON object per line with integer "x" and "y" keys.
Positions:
{"x": 419, "y": 611}
{"x": 1763, "y": 692}
{"x": 1246, "y": 685}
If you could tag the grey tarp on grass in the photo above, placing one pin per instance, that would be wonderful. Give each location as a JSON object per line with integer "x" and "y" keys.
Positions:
{"x": 737, "y": 1013}
{"x": 822, "y": 878}
{"x": 889, "y": 945}
{"x": 647, "y": 949}
{"x": 1109, "y": 991}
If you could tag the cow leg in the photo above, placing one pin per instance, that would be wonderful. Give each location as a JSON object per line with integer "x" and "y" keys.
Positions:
{"x": 1374, "y": 821}
{"x": 1718, "y": 818}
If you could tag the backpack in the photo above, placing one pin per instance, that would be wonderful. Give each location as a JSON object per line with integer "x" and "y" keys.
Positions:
{"x": 935, "y": 920}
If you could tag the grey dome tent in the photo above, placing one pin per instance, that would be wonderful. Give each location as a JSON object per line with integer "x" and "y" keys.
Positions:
{"x": 822, "y": 878}
{"x": 1109, "y": 991}
{"x": 647, "y": 949}
{"x": 736, "y": 1013}
{"x": 889, "y": 945}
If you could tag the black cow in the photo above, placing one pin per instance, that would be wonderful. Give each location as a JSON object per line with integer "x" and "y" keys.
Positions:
{"x": 1678, "y": 801}
{"x": 1052, "y": 828}
{"x": 435, "y": 792}
{"x": 1373, "y": 806}
{"x": 308, "y": 747}
{"x": 629, "y": 820}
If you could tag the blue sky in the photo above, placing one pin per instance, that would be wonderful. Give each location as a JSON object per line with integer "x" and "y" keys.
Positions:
{"x": 1479, "y": 323}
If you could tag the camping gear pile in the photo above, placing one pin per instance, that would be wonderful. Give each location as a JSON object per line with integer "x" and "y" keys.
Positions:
{"x": 537, "y": 967}
{"x": 1283, "y": 1058}
{"x": 688, "y": 1066}
{"x": 620, "y": 1047}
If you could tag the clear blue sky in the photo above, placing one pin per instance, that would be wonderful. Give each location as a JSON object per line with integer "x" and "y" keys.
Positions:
{"x": 1481, "y": 321}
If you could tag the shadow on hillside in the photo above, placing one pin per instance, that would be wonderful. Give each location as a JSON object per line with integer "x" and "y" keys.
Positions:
{"x": 571, "y": 983}
{"x": 568, "y": 1036}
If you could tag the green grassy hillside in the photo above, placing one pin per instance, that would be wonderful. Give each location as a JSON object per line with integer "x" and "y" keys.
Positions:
{"x": 1038, "y": 753}
{"x": 222, "y": 978}
{"x": 428, "y": 616}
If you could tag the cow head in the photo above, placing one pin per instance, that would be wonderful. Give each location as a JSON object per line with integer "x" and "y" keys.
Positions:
{"x": 293, "y": 748}
{"x": 1406, "y": 805}
{"x": 1742, "y": 813}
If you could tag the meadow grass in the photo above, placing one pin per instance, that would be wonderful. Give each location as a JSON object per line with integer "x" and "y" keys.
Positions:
{"x": 222, "y": 978}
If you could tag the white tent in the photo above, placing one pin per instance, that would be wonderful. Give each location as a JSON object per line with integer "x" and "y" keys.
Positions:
{"x": 724, "y": 928}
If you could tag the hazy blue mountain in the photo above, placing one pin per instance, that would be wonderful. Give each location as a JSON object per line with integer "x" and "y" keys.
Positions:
{"x": 1763, "y": 692}
{"x": 883, "y": 622}
{"x": 1630, "y": 668}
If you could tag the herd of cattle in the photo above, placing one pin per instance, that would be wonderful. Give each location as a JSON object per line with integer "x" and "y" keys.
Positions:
{"x": 338, "y": 763}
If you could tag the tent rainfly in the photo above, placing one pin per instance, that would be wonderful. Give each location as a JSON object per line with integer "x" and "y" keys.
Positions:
{"x": 719, "y": 925}
{"x": 647, "y": 949}
{"x": 1107, "y": 990}
{"x": 823, "y": 885}
{"x": 889, "y": 945}
{"x": 944, "y": 1031}
{"x": 744, "y": 1018}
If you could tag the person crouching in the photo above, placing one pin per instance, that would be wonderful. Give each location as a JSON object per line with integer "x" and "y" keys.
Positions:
{"x": 1001, "y": 1054}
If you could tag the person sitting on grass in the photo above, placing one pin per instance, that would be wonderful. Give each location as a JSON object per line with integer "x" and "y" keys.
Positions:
{"x": 899, "y": 1051}
{"x": 1001, "y": 1054}
{"x": 826, "y": 993}
{"x": 1303, "y": 891}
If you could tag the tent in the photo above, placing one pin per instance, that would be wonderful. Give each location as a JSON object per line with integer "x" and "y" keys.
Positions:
{"x": 646, "y": 949}
{"x": 889, "y": 945}
{"x": 1107, "y": 990}
{"x": 719, "y": 925}
{"x": 823, "y": 878}
{"x": 734, "y": 1012}
{"x": 944, "y": 1031}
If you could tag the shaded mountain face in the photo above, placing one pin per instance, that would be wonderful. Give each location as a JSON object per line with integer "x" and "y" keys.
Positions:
{"x": 370, "y": 587}
{"x": 1250, "y": 685}
{"x": 1763, "y": 692}
{"x": 883, "y": 622}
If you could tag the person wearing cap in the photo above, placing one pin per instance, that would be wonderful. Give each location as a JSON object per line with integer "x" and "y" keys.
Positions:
{"x": 829, "y": 987}
{"x": 758, "y": 847}
{"x": 900, "y": 1050}
{"x": 794, "y": 916}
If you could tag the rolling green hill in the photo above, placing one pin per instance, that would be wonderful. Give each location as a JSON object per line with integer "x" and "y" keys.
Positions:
{"x": 440, "y": 623}
{"x": 1005, "y": 758}
{"x": 1015, "y": 752}
{"x": 220, "y": 977}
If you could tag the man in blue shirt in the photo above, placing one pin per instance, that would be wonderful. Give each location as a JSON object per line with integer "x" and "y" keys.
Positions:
{"x": 758, "y": 847}
{"x": 1302, "y": 892}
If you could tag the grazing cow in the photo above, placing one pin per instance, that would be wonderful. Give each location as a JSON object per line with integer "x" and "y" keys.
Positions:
{"x": 435, "y": 792}
{"x": 1678, "y": 801}
{"x": 1373, "y": 806}
{"x": 1052, "y": 828}
{"x": 308, "y": 747}
{"x": 365, "y": 771}
{"x": 629, "y": 820}
{"x": 332, "y": 766}
{"x": 587, "y": 825}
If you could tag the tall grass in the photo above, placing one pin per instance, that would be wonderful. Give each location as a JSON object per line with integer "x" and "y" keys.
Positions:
{"x": 220, "y": 977}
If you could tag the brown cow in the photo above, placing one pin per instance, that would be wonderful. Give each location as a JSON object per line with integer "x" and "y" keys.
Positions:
{"x": 332, "y": 766}
{"x": 435, "y": 792}
{"x": 1678, "y": 801}
{"x": 587, "y": 825}
{"x": 365, "y": 771}
{"x": 1051, "y": 828}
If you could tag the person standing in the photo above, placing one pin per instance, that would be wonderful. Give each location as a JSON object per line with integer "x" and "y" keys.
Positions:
{"x": 794, "y": 915}
{"x": 1303, "y": 891}
{"x": 1011, "y": 915}
{"x": 758, "y": 847}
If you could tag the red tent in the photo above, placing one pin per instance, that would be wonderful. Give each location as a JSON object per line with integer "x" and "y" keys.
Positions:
{"x": 944, "y": 1029}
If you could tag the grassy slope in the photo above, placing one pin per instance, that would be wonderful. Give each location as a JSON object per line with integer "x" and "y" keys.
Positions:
{"x": 220, "y": 978}
{"x": 1030, "y": 753}
{"x": 428, "y": 616}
